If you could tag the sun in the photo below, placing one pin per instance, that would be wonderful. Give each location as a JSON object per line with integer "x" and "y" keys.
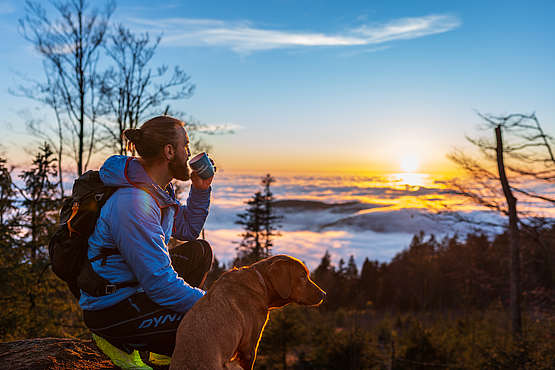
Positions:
{"x": 410, "y": 163}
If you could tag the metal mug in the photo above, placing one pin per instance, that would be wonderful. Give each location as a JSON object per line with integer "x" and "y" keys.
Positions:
{"x": 202, "y": 165}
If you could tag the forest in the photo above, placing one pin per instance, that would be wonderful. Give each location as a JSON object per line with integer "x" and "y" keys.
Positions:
{"x": 438, "y": 303}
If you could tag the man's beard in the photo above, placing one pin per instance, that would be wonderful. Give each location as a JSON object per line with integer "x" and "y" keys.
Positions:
{"x": 179, "y": 170}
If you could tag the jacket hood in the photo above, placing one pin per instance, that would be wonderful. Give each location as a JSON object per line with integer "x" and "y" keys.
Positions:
{"x": 124, "y": 171}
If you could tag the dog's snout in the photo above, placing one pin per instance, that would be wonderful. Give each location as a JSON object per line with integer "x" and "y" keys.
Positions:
{"x": 314, "y": 295}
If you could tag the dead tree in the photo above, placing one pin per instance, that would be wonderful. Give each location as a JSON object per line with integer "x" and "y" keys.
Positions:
{"x": 523, "y": 152}
{"x": 70, "y": 45}
{"x": 514, "y": 235}
{"x": 48, "y": 93}
{"x": 132, "y": 89}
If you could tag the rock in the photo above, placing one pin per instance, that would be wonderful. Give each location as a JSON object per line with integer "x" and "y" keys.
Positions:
{"x": 53, "y": 353}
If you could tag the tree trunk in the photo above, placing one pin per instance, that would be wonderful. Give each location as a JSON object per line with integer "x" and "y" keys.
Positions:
{"x": 81, "y": 81}
{"x": 391, "y": 364}
{"x": 514, "y": 235}
{"x": 60, "y": 154}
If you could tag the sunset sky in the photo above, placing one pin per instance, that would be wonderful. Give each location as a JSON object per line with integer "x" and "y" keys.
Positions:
{"x": 321, "y": 86}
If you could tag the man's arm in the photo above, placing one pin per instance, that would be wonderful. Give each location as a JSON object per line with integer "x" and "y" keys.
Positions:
{"x": 191, "y": 217}
{"x": 139, "y": 236}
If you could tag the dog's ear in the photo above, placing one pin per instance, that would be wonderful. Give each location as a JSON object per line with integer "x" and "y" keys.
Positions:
{"x": 280, "y": 276}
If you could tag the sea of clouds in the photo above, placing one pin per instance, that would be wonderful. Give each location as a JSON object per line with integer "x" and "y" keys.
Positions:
{"x": 371, "y": 217}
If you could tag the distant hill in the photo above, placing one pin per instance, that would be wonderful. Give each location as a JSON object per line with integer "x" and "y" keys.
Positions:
{"x": 314, "y": 205}
{"x": 396, "y": 221}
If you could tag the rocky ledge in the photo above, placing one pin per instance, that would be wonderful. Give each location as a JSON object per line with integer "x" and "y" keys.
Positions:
{"x": 53, "y": 353}
{"x": 56, "y": 354}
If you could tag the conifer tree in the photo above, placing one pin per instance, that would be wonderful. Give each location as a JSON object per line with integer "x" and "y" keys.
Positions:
{"x": 40, "y": 202}
{"x": 260, "y": 224}
{"x": 38, "y": 219}
{"x": 8, "y": 213}
{"x": 369, "y": 279}
{"x": 351, "y": 272}
{"x": 269, "y": 220}
{"x": 9, "y": 251}
{"x": 34, "y": 301}
{"x": 341, "y": 268}
{"x": 40, "y": 304}
{"x": 325, "y": 265}
{"x": 326, "y": 278}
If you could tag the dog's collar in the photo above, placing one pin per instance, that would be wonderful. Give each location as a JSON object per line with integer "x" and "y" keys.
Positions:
{"x": 261, "y": 279}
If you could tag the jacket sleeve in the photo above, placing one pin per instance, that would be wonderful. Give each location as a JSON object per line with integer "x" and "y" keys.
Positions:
{"x": 191, "y": 217}
{"x": 140, "y": 239}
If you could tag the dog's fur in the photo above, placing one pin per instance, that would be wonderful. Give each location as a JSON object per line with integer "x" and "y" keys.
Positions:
{"x": 223, "y": 328}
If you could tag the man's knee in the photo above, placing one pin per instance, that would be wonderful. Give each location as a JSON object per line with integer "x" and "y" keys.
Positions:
{"x": 206, "y": 252}
{"x": 192, "y": 259}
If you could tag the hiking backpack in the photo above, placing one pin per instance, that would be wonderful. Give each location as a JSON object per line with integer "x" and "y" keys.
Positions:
{"x": 68, "y": 248}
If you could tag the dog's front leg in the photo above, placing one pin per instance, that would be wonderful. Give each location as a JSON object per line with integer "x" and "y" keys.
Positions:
{"x": 247, "y": 354}
{"x": 247, "y": 350}
{"x": 246, "y": 361}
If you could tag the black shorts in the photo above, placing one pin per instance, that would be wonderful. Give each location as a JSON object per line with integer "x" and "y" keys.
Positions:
{"x": 139, "y": 323}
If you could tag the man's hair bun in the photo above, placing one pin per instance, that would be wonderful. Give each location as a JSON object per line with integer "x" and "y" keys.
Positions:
{"x": 133, "y": 135}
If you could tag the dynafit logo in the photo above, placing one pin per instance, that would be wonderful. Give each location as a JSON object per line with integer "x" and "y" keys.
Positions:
{"x": 160, "y": 320}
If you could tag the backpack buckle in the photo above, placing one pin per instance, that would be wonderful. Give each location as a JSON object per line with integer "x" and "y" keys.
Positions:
{"x": 110, "y": 289}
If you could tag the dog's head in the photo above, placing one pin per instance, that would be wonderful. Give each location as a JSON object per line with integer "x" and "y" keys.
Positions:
{"x": 290, "y": 282}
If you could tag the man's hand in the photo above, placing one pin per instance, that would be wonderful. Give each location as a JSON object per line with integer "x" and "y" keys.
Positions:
{"x": 200, "y": 183}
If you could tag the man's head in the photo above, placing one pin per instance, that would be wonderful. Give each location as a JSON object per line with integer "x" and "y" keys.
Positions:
{"x": 163, "y": 138}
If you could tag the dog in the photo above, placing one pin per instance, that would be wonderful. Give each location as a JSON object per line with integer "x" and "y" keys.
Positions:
{"x": 222, "y": 330}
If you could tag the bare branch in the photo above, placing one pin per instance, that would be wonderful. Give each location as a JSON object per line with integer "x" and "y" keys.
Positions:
{"x": 69, "y": 44}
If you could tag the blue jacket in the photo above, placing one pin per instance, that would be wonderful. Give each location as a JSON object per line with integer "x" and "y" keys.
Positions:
{"x": 139, "y": 219}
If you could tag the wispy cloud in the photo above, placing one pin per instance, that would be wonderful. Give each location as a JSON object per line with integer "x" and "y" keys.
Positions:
{"x": 408, "y": 28}
{"x": 243, "y": 37}
{"x": 219, "y": 129}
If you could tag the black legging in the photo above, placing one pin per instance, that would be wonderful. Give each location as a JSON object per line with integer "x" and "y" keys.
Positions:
{"x": 139, "y": 323}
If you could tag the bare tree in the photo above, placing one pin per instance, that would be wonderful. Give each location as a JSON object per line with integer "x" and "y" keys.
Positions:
{"x": 132, "y": 89}
{"x": 528, "y": 162}
{"x": 523, "y": 156}
{"x": 49, "y": 94}
{"x": 70, "y": 45}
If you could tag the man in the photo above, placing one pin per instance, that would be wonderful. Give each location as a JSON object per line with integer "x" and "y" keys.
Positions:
{"x": 130, "y": 244}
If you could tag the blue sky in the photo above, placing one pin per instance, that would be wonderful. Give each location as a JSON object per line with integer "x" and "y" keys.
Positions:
{"x": 332, "y": 86}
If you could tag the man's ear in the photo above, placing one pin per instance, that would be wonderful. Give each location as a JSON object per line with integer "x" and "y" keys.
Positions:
{"x": 169, "y": 152}
{"x": 280, "y": 276}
